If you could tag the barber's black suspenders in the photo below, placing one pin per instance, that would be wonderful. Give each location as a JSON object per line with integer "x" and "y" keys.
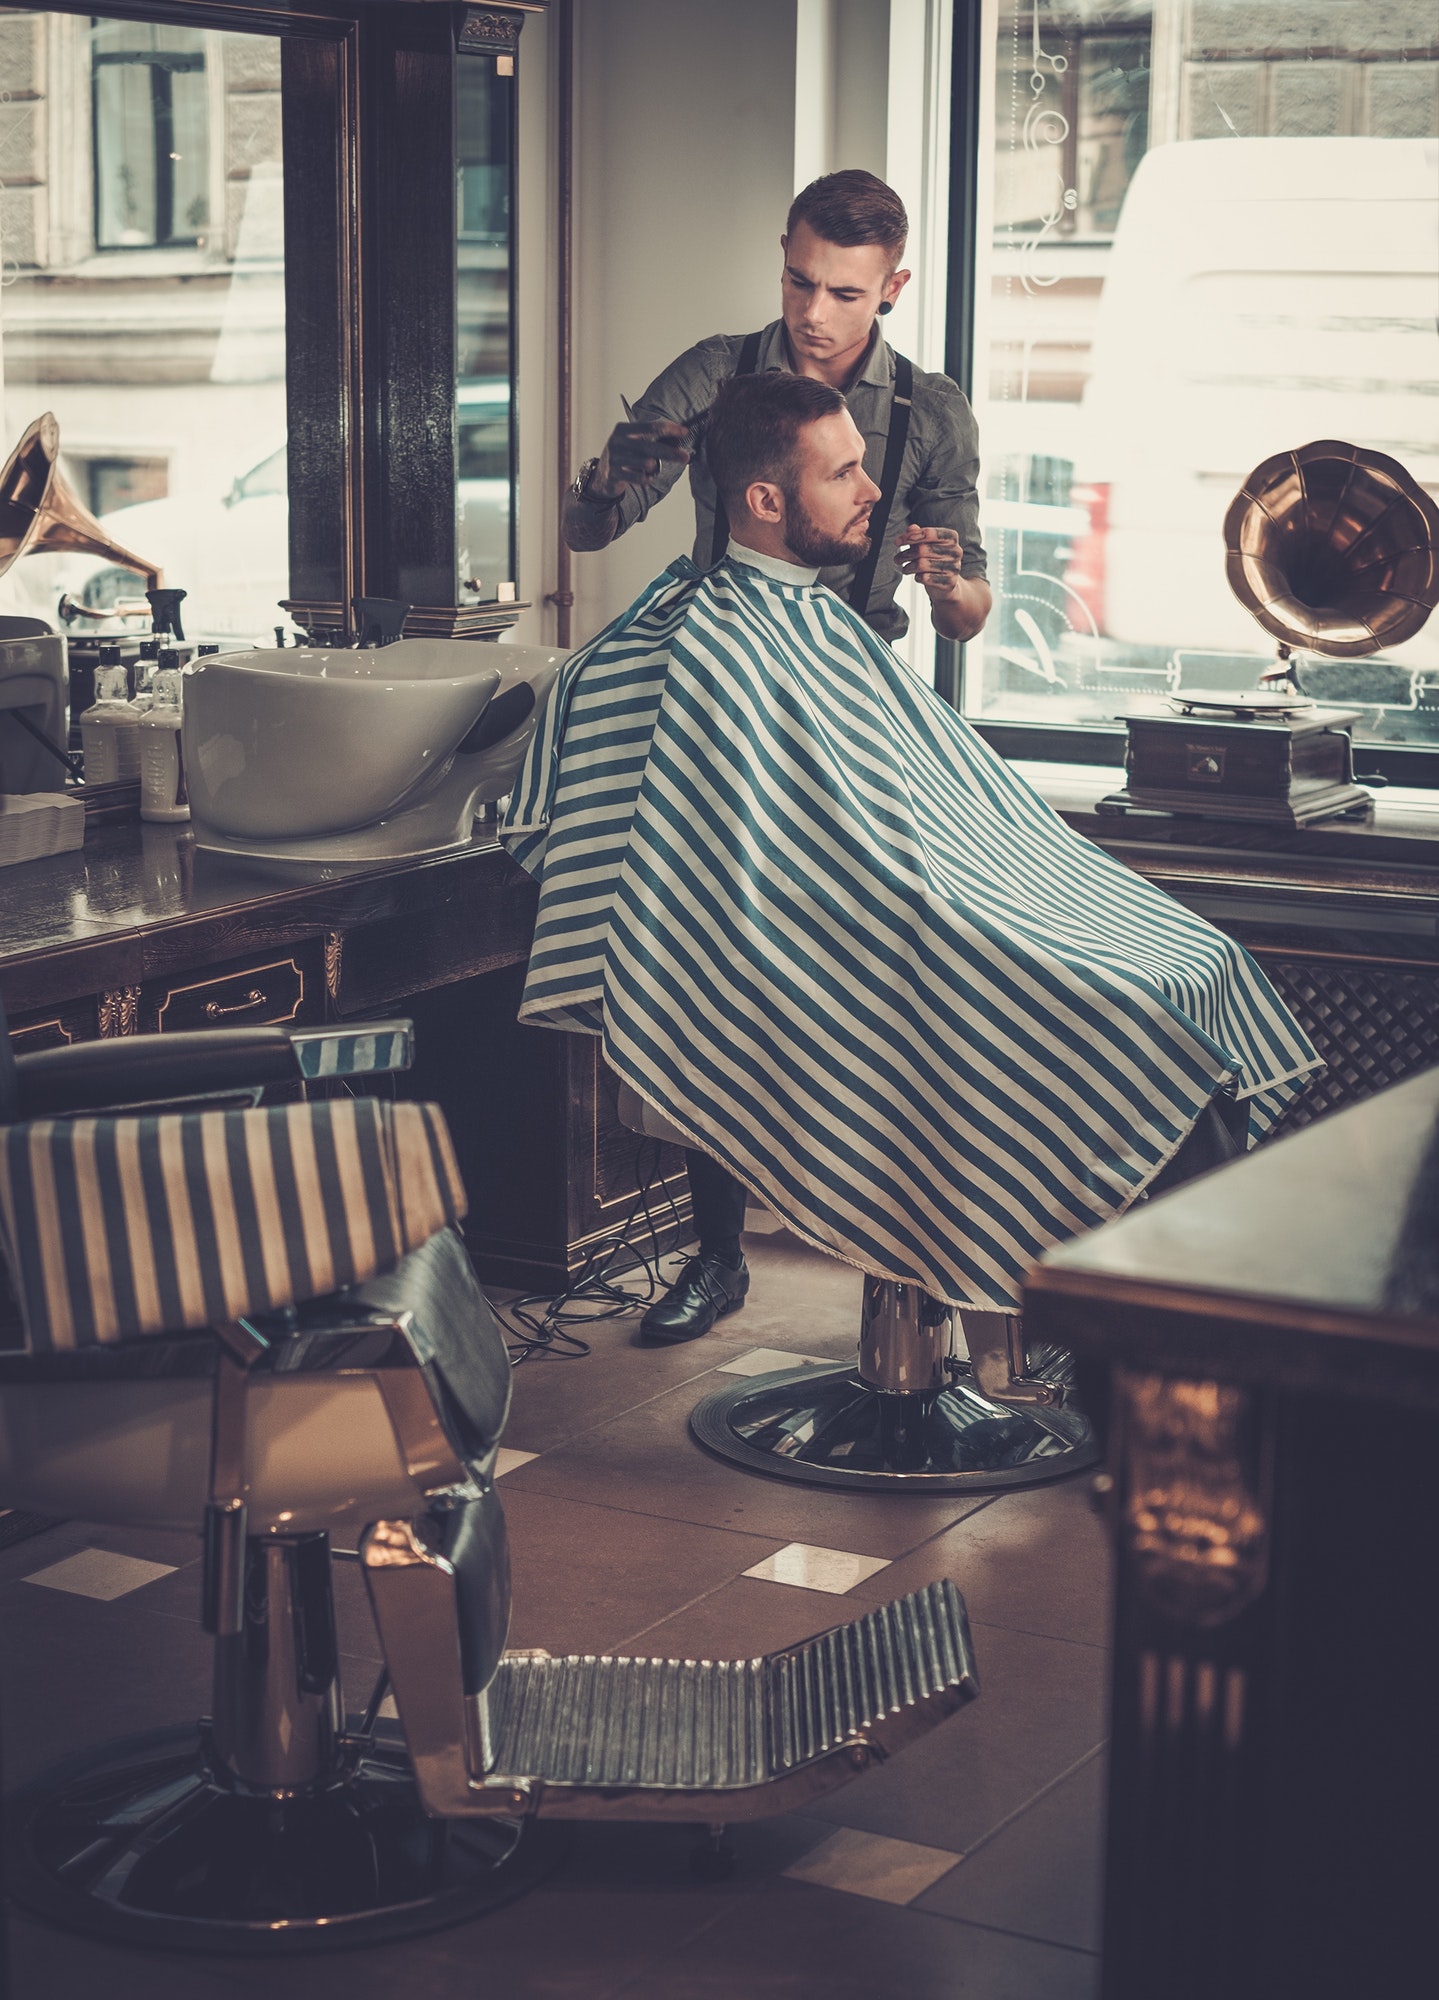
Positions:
{"x": 858, "y": 593}
{"x": 748, "y": 358}
{"x": 888, "y": 483}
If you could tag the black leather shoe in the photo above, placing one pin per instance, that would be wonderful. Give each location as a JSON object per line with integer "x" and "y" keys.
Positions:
{"x": 705, "y": 1290}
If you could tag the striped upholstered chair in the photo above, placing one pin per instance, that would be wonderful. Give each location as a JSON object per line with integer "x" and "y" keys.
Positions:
{"x": 255, "y": 1322}
{"x": 258, "y": 1322}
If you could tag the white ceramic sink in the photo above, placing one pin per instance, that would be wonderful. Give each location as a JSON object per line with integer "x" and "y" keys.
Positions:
{"x": 355, "y": 755}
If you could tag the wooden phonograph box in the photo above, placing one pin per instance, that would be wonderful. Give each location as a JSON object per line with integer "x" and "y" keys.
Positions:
{"x": 1333, "y": 550}
{"x": 1267, "y": 756}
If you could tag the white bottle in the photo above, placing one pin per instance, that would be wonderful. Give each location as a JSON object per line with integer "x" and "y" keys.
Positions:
{"x": 145, "y": 676}
{"x": 162, "y": 758}
{"x": 109, "y": 732}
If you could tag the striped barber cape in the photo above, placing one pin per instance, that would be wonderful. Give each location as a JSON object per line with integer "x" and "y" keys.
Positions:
{"x": 828, "y": 933}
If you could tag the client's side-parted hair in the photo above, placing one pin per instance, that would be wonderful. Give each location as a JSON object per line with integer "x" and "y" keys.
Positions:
{"x": 753, "y": 430}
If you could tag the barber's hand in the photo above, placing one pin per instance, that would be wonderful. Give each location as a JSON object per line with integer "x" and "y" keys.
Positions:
{"x": 634, "y": 453}
{"x": 958, "y": 605}
{"x": 933, "y": 557}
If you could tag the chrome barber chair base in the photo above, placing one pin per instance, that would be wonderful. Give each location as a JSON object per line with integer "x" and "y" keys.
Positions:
{"x": 827, "y": 1427}
{"x": 157, "y": 1852}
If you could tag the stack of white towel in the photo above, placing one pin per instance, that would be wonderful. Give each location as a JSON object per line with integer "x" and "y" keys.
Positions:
{"x": 34, "y": 825}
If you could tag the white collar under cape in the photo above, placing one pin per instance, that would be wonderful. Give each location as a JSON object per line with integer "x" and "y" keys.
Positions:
{"x": 782, "y": 572}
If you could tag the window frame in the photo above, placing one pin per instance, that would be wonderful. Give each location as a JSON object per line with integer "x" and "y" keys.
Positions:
{"x": 167, "y": 63}
{"x": 1052, "y": 742}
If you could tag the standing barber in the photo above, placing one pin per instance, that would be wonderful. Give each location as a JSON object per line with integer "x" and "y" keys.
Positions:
{"x": 842, "y": 246}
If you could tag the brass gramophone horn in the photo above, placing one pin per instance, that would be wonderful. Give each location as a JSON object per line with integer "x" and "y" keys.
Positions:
{"x": 1333, "y": 549}
{"x": 38, "y": 512}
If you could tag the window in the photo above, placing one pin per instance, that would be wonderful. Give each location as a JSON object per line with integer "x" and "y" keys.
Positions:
{"x": 1210, "y": 237}
{"x": 484, "y": 413}
{"x": 151, "y": 136}
{"x": 108, "y": 483}
{"x": 144, "y": 304}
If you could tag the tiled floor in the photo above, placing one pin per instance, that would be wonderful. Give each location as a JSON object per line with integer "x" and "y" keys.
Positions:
{"x": 965, "y": 1869}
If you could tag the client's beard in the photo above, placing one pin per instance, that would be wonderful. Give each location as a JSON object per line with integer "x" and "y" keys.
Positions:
{"x": 812, "y": 546}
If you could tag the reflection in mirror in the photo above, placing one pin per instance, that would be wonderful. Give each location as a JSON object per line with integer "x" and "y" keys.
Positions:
{"x": 143, "y": 302}
{"x": 484, "y": 347}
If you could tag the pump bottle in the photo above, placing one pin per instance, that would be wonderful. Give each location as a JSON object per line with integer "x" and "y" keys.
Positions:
{"x": 145, "y": 660}
{"x": 162, "y": 758}
{"x": 109, "y": 731}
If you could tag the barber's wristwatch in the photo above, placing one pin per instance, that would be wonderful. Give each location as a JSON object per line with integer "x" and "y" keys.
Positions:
{"x": 580, "y": 486}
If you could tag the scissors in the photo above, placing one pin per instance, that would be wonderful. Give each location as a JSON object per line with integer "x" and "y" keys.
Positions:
{"x": 684, "y": 453}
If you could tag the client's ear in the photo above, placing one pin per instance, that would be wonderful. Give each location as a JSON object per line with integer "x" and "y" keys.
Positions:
{"x": 765, "y": 501}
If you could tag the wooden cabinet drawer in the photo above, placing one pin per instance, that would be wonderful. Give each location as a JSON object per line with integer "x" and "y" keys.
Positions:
{"x": 286, "y": 987}
{"x": 54, "y": 1027}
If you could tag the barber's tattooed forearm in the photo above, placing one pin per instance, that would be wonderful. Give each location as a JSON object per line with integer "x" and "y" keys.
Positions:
{"x": 933, "y": 556}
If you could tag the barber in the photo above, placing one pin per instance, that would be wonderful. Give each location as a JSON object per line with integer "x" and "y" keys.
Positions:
{"x": 842, "y": 248}
{"x": 843, "y": 245}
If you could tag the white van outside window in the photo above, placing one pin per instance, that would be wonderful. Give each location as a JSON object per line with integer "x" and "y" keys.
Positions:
{"x": 1245, "y": 294}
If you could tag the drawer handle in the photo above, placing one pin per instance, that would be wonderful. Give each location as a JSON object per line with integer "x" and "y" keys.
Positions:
{"x": 215, "y": 1012}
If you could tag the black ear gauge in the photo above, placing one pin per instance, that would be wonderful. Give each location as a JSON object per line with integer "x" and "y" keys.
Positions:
{"x": 886, "y": 305}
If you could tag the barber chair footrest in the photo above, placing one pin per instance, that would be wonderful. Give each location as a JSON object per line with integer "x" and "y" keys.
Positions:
{"x": 721, "y": 1741}
{"x": 153, "y": 1851}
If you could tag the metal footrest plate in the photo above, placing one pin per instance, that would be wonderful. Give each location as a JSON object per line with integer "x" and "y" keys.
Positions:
{"x": 657, "y": 1737}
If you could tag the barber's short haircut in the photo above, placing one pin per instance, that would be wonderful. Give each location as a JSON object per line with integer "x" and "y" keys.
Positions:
{"x": 852, "y": 207}
{"x": 753, "y": 430}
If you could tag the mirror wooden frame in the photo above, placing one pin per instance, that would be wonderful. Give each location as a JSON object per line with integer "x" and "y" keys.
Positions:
{"x": 368, "y": 114}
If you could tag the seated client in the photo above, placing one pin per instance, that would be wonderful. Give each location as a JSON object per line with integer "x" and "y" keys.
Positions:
{"x": 837, "y": 941}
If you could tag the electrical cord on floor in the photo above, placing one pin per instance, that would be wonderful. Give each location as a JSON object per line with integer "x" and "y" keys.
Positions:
{"x": 538, "y": 1325}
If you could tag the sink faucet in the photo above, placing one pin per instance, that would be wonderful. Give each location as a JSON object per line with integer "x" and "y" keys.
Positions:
{"x": 165, "y": 612}
{"x": 379, "y": 621}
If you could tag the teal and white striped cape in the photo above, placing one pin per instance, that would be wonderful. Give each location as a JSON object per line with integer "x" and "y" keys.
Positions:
{"x": 836, "y": 940}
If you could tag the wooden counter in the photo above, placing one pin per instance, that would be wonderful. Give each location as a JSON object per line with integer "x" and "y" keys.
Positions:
{"x": 117, "y": 923}
{"x": 1271, "y": 1334}
{"x": 140, "y": 933}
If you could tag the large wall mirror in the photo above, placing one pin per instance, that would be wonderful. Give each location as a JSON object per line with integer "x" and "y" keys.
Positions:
{"x": 259, "y": 262}
{"x": 143, "y": 302}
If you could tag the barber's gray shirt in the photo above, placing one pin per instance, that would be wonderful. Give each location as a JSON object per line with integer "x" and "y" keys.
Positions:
{"x": 936, "y": 479}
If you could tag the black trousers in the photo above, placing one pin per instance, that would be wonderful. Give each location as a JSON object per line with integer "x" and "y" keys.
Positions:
{"x": 717, "y": 1200}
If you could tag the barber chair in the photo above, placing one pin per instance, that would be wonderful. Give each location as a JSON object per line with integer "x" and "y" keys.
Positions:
{"x": 909, "y": 1414}
{"x": 258, "y": 1323}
